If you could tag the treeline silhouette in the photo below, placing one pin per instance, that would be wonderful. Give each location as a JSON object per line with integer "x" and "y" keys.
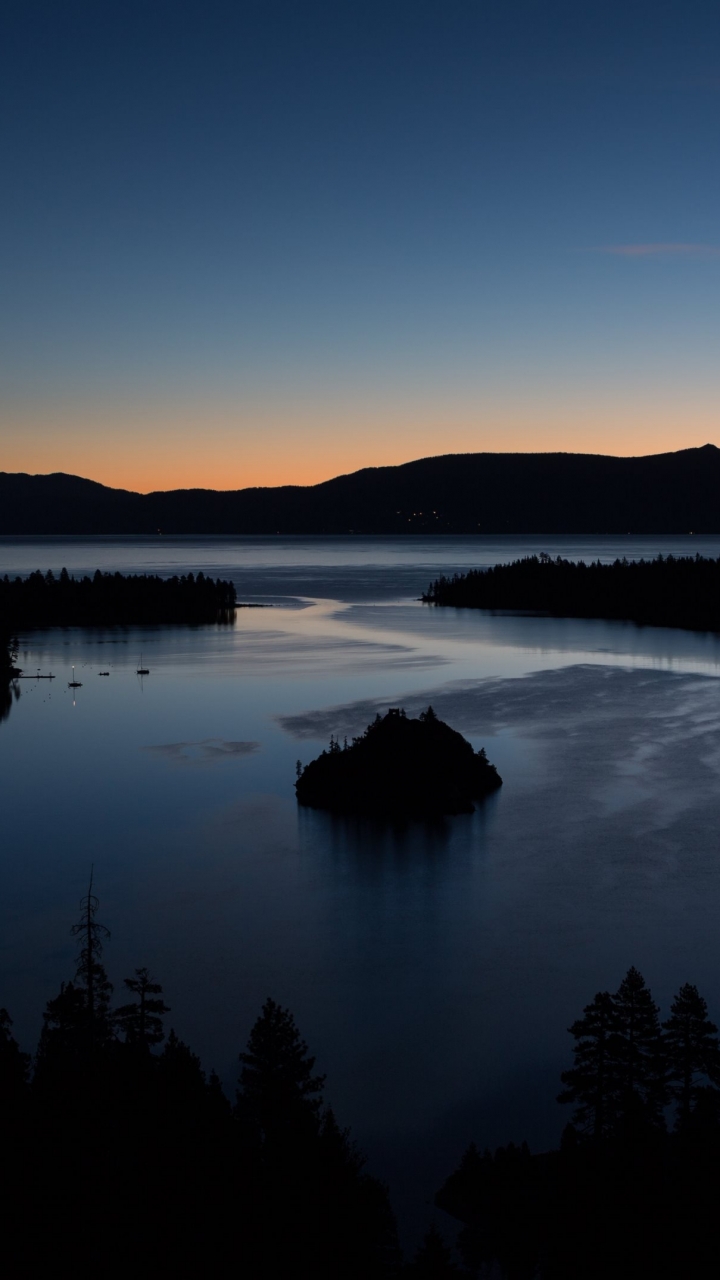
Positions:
{"x": 120, "y": 1154}
{"x": 669, "y": 591}
{"x": 399, "y": 766}
{"x": 634, "y": 1188}
{"x": 111, "y": 599}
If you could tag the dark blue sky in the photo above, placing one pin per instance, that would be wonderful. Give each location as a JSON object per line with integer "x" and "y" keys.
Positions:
{"x": 273, "y": 241}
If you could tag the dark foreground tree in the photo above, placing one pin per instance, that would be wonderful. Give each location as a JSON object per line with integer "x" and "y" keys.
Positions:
{"x": 691, "y": 1053}
{"x": 91, "y": 978}
{"x": 14, "y": 1064}
{"x": 279, "y": 1093}
{"x": 638, "y": 1056}
{"x": 322, "y": 1214}
{"x": 140, "y": 1021}
{"x": 591, "y": 1084}
{"x": 433, "y": 1259}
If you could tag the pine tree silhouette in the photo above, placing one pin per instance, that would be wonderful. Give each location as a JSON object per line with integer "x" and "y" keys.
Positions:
{"x": 141, "y": 1021}
{"x": 278, "y": 1090}
{"x": 592, "y": 1083}
{"x": 691, "y": 1051}
{"x": 638, "y": 1052}
{"x": 14, "y": 1064}
{"x": 91, "y": 978}
{"x": 63, "y": 1038}
{"x": 433, "y": 1260}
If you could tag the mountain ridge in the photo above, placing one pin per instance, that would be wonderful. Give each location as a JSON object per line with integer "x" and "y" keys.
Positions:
{"x": 490, "y": 493}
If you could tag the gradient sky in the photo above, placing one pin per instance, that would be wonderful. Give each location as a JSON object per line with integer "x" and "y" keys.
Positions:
{"x": 261, "y": 243}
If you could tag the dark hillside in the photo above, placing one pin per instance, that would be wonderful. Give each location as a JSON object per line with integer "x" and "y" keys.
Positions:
{"x": 490, "y": 493}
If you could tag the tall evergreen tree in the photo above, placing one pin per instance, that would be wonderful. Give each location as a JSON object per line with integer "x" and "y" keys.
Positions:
{"x": 141, "y": 1020}
{"x": 91, "y": 978}
{"x": 63, "y": 1038}
{"x": 279, "y": 1094}
{"x": 638, "y": 1051}
{"x": 14, "y": 1064}
{"x": 592, "y": 1082}
{"x": 691, "y": 1051}
{"x": 433, "y": 1259}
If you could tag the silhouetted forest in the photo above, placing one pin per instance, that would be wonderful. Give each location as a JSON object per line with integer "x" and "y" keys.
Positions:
{"x": 634, "y": 1187}
{"x": 111, "y": 599}
{"x": 670, "y": 591}
{"x": 122, "y": 1156}
{"x": 455, "y": 493}
{"x": 399, "y": 766}
{"x": 120, "y": 1150}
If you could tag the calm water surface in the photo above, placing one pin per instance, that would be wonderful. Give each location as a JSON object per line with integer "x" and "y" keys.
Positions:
{"x": 432, "y": 969}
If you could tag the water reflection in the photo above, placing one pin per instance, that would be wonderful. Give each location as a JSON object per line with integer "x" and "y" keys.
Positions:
{"x": 9, "y": 693}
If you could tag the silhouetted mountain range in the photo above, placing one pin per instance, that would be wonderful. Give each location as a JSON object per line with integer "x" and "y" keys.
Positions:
{"x": 456, "y": 493}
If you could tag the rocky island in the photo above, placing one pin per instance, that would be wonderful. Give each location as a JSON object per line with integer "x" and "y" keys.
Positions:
{"x": 399, "y": 767}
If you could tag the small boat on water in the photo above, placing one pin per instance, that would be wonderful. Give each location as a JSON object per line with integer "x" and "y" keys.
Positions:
{"x": 74, "y": 684}
{"x": 141, "y": 670}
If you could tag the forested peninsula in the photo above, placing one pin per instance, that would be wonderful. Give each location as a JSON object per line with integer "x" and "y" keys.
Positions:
{"x": 111, "y": 599}
{"x": 669, "y": 591}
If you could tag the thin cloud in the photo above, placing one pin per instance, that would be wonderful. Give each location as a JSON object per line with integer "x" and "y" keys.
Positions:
{"x": 206, "y": 751}
{"x": 677, "y": 249}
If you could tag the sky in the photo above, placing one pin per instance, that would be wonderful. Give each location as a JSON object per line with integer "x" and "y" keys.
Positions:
{"x": 271, "y": 241}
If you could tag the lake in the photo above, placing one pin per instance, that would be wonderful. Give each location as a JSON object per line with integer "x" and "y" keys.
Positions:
{"x": 432, "y": 968}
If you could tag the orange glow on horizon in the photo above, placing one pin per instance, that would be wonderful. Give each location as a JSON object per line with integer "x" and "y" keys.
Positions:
{"x": 226, "y": 450}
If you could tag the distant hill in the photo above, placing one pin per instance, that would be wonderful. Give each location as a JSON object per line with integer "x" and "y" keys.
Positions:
{"x": 456, "y": 493}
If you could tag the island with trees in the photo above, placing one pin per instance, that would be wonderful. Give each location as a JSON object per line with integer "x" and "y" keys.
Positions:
{"x": 669, "y": 591}
{"x": 399, "y": 766}
{"x": 112, "y": 599}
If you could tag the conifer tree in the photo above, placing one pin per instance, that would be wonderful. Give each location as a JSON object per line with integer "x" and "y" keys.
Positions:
{"x": 77, "y": 1021}
{"x": 141, "y": 1020}
{"x": 691, "y": 1051}
{"x": 91, "y": 978}
{"x": 433, "y": 1260}
{"x": 183, "y": 1084}
{"x": 278, "y": 1092}
{"x": 592, "y": 1083}
{"x": 638, "y": 1050}
{"x": 63, "y": 1038}
{"x": 14, "y": 1064}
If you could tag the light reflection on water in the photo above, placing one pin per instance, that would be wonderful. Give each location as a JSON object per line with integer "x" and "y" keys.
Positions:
{"x": 433, "y": 969}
